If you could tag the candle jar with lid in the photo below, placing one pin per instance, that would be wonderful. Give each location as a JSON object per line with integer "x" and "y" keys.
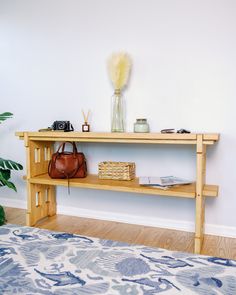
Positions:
{"x": 141, "y": 126}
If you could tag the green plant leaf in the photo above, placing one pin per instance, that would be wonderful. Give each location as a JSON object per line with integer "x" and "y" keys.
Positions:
{"x": 6, "y": 174}
{"x": 7, "y": 183}
{"x": 7, "y": 165}
{"x": 2, "y": 216}
{"x": 10, "y": 165}
{"x": 5, "y": 116}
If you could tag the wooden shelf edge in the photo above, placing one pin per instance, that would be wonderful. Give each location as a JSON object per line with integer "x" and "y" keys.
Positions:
{"x": 93, "y": 182}
{"x": 210, "y": 190}
{"x": 131, "y": 137}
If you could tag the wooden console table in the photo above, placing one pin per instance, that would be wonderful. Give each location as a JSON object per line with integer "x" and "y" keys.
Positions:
{"x": 41, "y": 188}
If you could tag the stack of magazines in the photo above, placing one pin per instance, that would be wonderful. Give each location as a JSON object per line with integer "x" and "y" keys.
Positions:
{"x": 163, "y": 182}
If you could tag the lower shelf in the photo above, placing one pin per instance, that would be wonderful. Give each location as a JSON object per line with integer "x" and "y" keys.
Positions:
{"x": 93, "y": 182}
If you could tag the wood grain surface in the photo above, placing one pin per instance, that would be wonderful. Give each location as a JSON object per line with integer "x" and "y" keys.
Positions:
{"x": 136, "y": 234}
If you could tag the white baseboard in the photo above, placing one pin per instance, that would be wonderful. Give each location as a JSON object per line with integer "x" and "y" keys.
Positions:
{"x": 13, "y": 203}
{"x": 211, "y": 229}
{"x": 126, "y": 218}
{"x": 220, "y": 230}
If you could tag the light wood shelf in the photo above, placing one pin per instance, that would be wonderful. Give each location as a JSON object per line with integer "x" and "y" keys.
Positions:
{"x": 93, "y": 182}
{"x": 41, "y": 188}
{"x": 107, "y": 137}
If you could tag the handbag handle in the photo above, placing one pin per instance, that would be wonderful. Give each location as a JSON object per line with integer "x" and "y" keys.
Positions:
{"x": 62, "y": 147}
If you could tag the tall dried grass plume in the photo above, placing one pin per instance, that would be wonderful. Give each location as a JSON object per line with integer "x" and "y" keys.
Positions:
{"x": 119, "y": 66}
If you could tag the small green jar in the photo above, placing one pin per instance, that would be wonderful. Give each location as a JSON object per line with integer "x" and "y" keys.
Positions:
{"x": 141, "y": 126}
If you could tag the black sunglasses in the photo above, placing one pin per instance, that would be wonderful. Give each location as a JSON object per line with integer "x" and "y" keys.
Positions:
{"x": 171, "y": 130}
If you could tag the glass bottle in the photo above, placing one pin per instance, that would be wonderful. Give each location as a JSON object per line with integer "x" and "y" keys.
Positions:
{"x": 85, "y": 127}
{"x": 117, "y": 112}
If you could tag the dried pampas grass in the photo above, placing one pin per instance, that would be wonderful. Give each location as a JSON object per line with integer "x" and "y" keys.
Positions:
{"x": 119, "y": 65}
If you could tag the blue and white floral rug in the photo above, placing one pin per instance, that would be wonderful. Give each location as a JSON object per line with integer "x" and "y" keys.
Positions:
{"x": 35, "y": 261}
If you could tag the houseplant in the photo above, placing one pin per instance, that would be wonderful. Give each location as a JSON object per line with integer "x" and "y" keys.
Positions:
{"x": 6, "y": 166}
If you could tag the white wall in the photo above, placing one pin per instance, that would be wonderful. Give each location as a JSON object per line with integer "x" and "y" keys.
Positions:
{"x": 53, "y": 63}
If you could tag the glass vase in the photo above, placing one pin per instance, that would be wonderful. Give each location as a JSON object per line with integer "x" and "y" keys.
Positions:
{"x": 117, "y": 112}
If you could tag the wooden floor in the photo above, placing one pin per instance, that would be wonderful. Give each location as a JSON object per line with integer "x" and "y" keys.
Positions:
{"x": 137, "y": 234}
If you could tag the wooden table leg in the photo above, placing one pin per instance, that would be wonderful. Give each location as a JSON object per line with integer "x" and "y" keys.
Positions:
{"x": 41, "y": 198}
{"x": 41, "y": 202}
{"x": 200, "y": 199}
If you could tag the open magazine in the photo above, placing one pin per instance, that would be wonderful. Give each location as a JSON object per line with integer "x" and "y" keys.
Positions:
{"x": 163, "y": 182}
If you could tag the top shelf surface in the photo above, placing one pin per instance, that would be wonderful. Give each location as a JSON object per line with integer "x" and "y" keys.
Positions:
{"x": 106, "y": 137}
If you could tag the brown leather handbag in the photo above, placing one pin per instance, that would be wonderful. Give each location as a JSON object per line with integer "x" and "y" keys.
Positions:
{"x": 67, "y": 164}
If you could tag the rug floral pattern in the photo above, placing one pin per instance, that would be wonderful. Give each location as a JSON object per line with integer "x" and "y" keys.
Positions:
{"x": 35, "y": 261}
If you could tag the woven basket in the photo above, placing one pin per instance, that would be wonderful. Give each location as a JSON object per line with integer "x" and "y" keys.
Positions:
{"x": 116, "y": 170}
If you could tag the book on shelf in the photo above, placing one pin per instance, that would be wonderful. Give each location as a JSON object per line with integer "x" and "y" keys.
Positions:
{"x": 163, "y": 182}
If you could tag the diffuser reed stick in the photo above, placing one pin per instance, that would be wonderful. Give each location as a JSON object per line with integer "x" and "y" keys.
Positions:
{"x": 86, "y": 116}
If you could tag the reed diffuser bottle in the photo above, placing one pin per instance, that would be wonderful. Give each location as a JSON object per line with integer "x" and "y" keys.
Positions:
{"x": 119, "y": 66}
{"x": 85, "y": 126}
